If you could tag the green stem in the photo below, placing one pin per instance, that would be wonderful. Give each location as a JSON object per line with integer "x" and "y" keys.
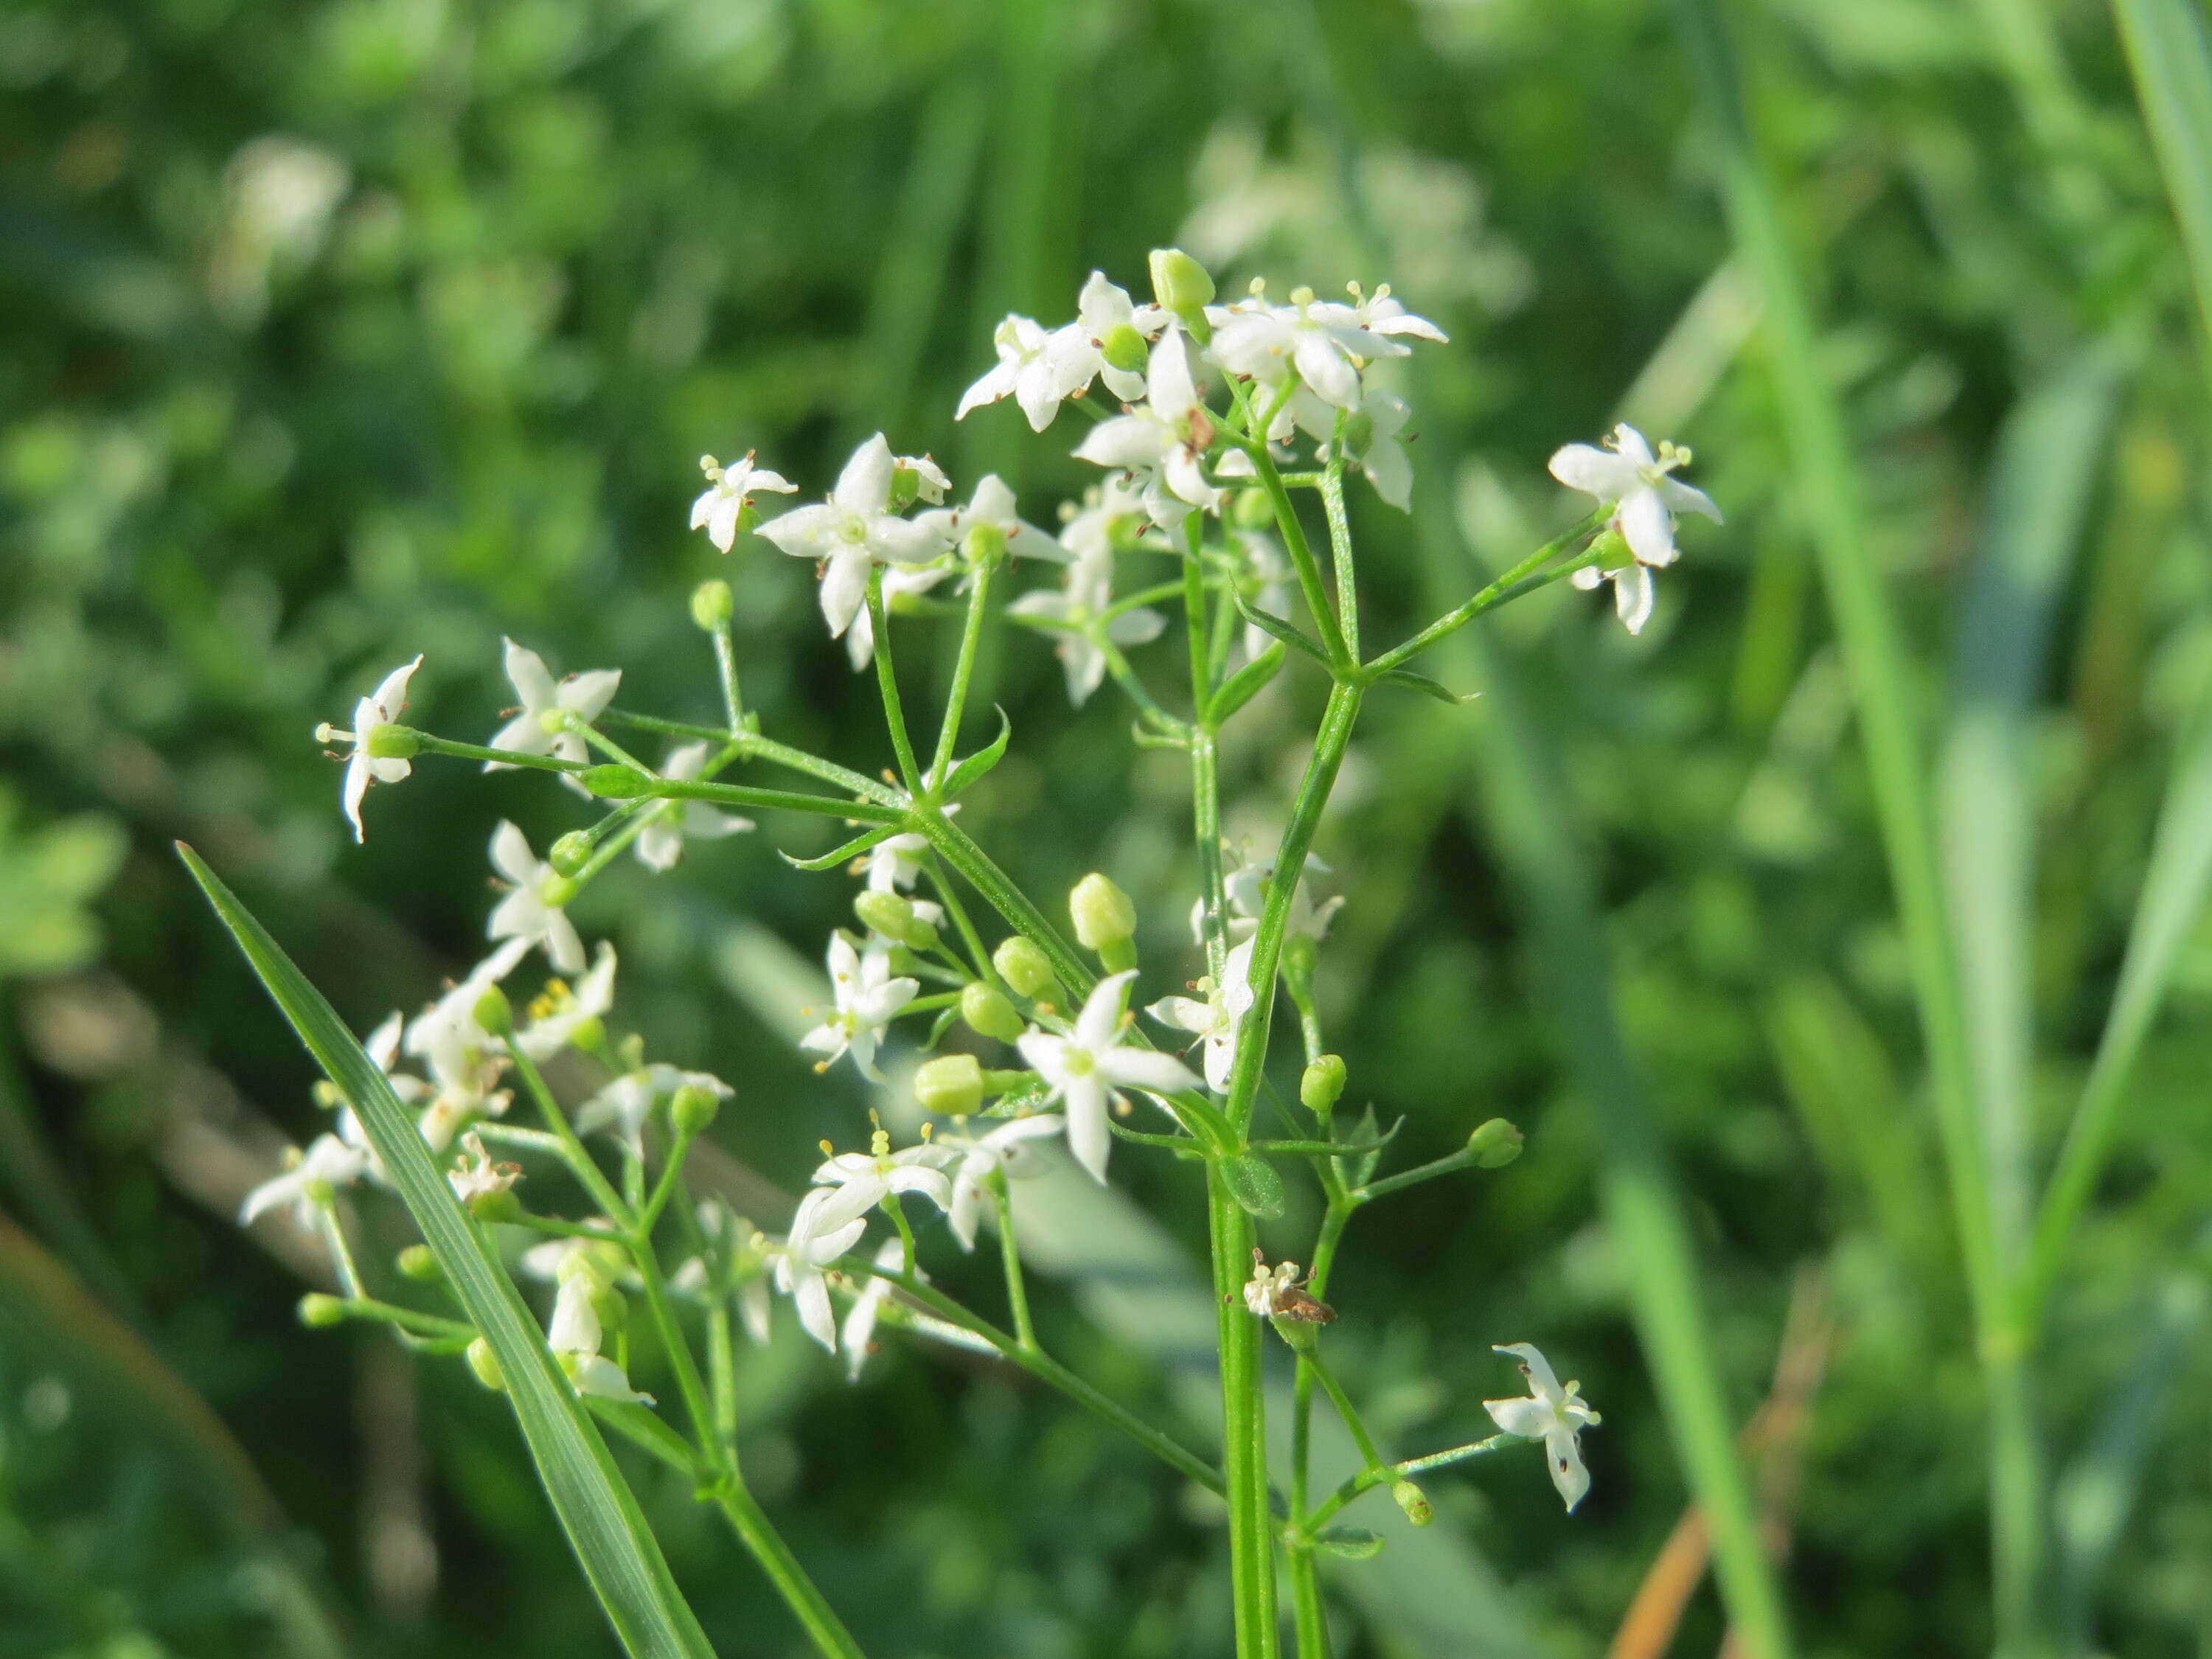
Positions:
{"x": 726, "y": 668}
{"x": 1301, "y": 551}
{"x": 963, "y": 671}
{"x": 1010, "y": 1255}
{"x": 406, "y": 1319}
{"x": 672, "y": 1174}
{"x": 1243, "y": 1425}
{"x": 1506, "y": 588}
{"x": 1338, "y": 718}
{"x": 1346, "y": 1410}
{"x": 571, "y": 1151}
{"x": 1367, "y": 1479}
{"x": 766, "y": 1545}
{"x": 733, "y": 794}
{"x": 1340, "y": 537}
{"x": 689, "y": 1384}
{"x": 887, "y": 683}
{"x": 1045, "y": 1369}
{"x": 1446, "y": 1165}
{"x": 1309, "y": 1620}
{"x": 431, "y": 744}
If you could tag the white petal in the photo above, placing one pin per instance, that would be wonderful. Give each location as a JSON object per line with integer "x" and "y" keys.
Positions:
{"x": 1143, "y": 1069}
{"x": 1562, "y": 1460}
{"x": 351, "y": 792}
{"x": 1126, "y": 440}
{"x": 1594, "y": 472}
{"x": 587, "y": 693}
{"x": 533, "y": 681}
{"x": 845, "y": 589}
{"x": 1688, "y": 498}
{"x": 864, "y": 485}
{"x": 1634, "y": 449}
{"x": 1531, "y": 1420}
{"x": 1647, "y": 526}
{"x": 806, "y": 532}
{"x": 511, "y": 857}
{"x": 1632, "y": 597}
{"x": 390, "y": 696}
{"x": 1096, "y": 1026}
{"x": 1542, "y": 1379}
{"x": 1088, "y": 1136}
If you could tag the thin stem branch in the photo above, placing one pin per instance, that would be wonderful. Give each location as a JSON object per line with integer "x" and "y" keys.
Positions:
{"x": 1010, "y": 1255}
{"x": 1506, "y": 588}
{"x": 887, "y": 683}
{"x": 963, "y": 671}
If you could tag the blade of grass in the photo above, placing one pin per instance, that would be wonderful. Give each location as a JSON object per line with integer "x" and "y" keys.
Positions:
{"x": 595, "y": 1507}
{"x": 2049, "y": 455}
{"x": 2098, "y": 1491}
{"x": 1827, "y": 474}
{"x": 2170, "y": 56}
{"x": 2173, "y": 895}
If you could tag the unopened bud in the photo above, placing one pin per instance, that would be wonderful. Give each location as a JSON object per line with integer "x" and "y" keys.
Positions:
{"x": 320, "y": 1312}
{"x": 711, "y": 605}
{"x": 1415, "y": 1502}
{"x": 693, "y": 1108}
{"x": 1124, "y": 348}
{"x": 393, "y": 742}
{"x": 571, "y": 853}
{"x": 1025, "y": 967}
{"x": 1495, "y": 1144}
{"x": 1322, "y": 1085}
{"x": 493, "y": 1012}
{"x": 950, "y": 1084}
{"x": 1180, "y": 283}
{"x": 986, "y": 1011}
{"x": 896, "y": 919}
{"x": 485, "y": 1364}
{"x": 1254, "y": 510}
{"x": 1104, "y": 914}
{"x": 420, "y": 1263}
{"x": 613, "y": 782}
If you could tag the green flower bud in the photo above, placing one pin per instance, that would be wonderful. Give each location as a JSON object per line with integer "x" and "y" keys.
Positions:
{"x": 1415, "y": 1502}
{"x": 986, "y": 1011}
{"x": 1103, "y": 913}
{"x": 615, "y": 782}
{"x": 494, "y": 1012}
{"x": 327, "y": 1094}
{"x": 1495, "y": 1144}
{"x": 485, "y": 1364}
{"x": 693, "y": 1108}
{"x": 393, "y": 742}
{"x": 887, "y": 913}
{"x": 1124, "y": 348}
{"x": 320, "y": 1312}
{"x": 419, "y": 1263}
{"x": 950, "y": 1084}
{"x": 1025, "y": 967}
{"x": 711, "y": 605}
{"x": 1254, "y": 510}
{"x": 571, "y": 853}
{"x": 1322, "y": 1085}
{"x": 1180, "y": 283}
{"x": 984, "y": 543}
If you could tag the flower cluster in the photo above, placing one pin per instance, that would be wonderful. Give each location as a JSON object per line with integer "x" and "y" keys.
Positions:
{"x": 1204, "y": 418}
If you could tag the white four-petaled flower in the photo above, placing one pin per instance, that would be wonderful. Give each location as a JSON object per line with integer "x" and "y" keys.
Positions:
{"x": 543, "y": 726}
{"x": 1162, "y": 441}
{"x": 868, "y": 997}
{"x": 534, "y": 909}
{"x": 1038, "y": 370}
{"x": 380, "y": 708}
{"x": 1008, "y": 1149}
{"x": 660, "y": 843}
{"x": 565, "y": 1010}
{"x": 1214, "y": 1020}
{"x": 331, "y": 1161}
{"x": 1552, "y": 1414}
{"x": 859, "y": 1335}
{"x": 853, "y": 531}
{"x": 1077, "y": 612}
{"x": 625, "y": 1104}
{"x": 729, "y": 492}
{"x": 1087, "y": 1069}
{"x": 807, "y": 1250}
{"x": 1628, "y": 474}
{"x": 861, "y": 1180}
{"x": 1109, "y": 337}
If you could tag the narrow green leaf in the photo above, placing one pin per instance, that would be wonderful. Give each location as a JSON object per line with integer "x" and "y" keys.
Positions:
{"x": 1353, "y": 1543}
{"x": 1245, "y": 685}
{"x": 1256, "y": 1185}
{"x": 2171, "y": 58}
{"x": 1288, "y": 634}
{"x": 1407, "y": 679}
{"x": 2049, "y": 455}
{"x": 2174, "y": 892}
{"x": 596, "y": 1509}
{"x": 851, "y": 850}
{"x": 982, "y": 761}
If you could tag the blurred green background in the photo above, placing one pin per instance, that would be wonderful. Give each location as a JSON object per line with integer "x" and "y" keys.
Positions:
{"x": 339, "y": 330}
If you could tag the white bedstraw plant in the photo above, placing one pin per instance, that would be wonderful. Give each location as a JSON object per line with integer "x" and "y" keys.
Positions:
{"x": 1194, "y": 412}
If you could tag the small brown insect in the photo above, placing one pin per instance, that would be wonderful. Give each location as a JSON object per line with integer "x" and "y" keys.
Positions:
{"x": 1277, "y": 1292}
